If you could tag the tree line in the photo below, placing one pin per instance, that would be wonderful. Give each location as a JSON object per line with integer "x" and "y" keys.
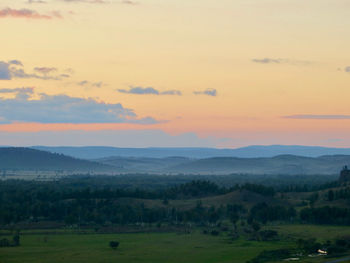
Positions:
{"x": 73, "y": 204}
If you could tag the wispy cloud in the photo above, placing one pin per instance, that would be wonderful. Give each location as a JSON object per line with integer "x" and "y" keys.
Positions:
{"x": 86, "y": 83}
{"x": 317, "y": 117}
{"x": 44, "y": 70}
{"x": 63, "y": 109}
{"x": 208, "y": 92}
{"x": 15, "y": 62}
{"x": 14, "y": 69}
{"x": 171, "y": 92}
{"x": 280, "y": 61}
{"x": 28, "y": 90}
{"x": 126, "y": 2}
{"x": 36, "y": 2}
{"x": 266, "y": 60}
{"x": 27, "y": 13}
{"x": 86, "y": 1}
{"x": 21, "y": 74}
{"x": 149, "y": 91}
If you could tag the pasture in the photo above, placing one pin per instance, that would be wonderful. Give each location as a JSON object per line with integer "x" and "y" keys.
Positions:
{"x": 69, "y": 247}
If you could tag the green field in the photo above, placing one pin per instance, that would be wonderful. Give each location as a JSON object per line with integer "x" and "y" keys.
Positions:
{"x": 154, "y": 247}
{"x": 169, "y": 247}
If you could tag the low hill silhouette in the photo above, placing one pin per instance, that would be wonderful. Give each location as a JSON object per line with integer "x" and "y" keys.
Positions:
{"x": 26, "y": 159}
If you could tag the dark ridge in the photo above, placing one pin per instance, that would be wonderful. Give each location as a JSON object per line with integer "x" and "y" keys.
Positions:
{"x": 35, "y": 160}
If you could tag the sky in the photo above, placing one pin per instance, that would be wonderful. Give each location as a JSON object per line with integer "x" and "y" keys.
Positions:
{"x": 180, "y": 73}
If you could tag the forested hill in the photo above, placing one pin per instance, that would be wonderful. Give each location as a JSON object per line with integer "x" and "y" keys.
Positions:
{"x": 279, "y": 165}
{"x": 29, "y": 159}
{"x": 98, "y": 152}
{"x": 282, "y": 164}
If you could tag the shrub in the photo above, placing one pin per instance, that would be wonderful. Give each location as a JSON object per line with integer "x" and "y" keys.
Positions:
{"x": 114, "y": 244}
{"x": 334, "y": 249}
{"x": 267, "y": 235}
{"x": 214, "y": 233}
{"x": 272, "y": 255}
{"x": 4, "y": 242}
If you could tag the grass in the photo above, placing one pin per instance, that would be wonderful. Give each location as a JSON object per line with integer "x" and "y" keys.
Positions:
{"x": 155, "y": 247}
{"x": 321, "y": 232}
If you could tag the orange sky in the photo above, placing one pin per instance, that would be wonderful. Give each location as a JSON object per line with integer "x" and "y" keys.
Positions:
{"x": 243, "y": 72}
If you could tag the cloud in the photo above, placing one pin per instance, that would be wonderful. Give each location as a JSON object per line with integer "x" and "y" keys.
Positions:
{"x": 128, "y": 2}
{"x": 86, "y": 83}
{"x": 13, "y": 69}
{"x": 64, "y": 76}
{"x": 44, "y": 70}
{"x": 27, "y": 13}
{"x": 69, "y": 71}
{"x": 347, "y": 69}
{"x": 266, "y": 60}
{"x": 21, "y": 74}
{"x": 64, "y": 109}
{"x": 15, "y": 62}
{"x": 149, "y": 91}
{"x": 21, "y": 93}
{"x": 317, "y": 117}
{"x": 5, "y": 73}
{"x": 17, "y": 90}
{"x": 280, "y": 61}
{"x": 36, "y": 2}
{"x": 140, "y": 90}
{"x": 209, "y": 92}
{"x": 86, "y": 1}
{"x": 172, "y": 92}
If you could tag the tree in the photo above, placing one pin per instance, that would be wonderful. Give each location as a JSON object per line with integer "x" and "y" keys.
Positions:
{"x": 16, "y": 240}
{"x": 330, "y": 195}
{"x": 313, "y": 198}
{"x": 234, "y": 218}
{"x": 308, "y": 245}
{"x": 4, "y": 242}
{"x": 114, "y": 244}
{"x": 256, "y": 226}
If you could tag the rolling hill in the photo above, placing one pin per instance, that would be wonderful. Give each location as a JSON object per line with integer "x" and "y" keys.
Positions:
{"x": 282, "y": 164}
{"x": 26, "y": 159}
{"x": 144, "y": 165}
{"x": 96, "y": 152}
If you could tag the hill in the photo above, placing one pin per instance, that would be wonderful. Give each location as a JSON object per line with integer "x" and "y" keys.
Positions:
{"x": 282, "y": 164}
{"x": 26, "y": 159}
{"x": 143, "y": 164}
{"x": 96, "y": 152}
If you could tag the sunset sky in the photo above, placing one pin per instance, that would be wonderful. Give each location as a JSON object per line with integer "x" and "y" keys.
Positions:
{"x": 140, "y": 73}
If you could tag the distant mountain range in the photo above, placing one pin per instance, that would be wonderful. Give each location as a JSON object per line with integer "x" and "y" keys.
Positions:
{"x": 95, "y": 152}
{"x": 28, "y": 159}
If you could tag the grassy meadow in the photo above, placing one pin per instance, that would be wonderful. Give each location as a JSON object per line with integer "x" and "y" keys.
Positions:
{"x": 67, "y": 247}
{"x": 153, "y": 247}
